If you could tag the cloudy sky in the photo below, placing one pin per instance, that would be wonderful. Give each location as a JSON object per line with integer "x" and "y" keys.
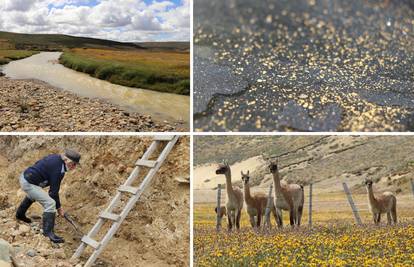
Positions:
{"x": 120, "y": 20}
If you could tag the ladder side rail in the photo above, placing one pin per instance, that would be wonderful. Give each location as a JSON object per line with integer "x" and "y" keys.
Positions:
{"x": 131, "y": 203}
{"x": 144, "y": 184}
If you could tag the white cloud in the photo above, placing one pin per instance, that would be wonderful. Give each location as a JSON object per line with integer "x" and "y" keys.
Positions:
{"x": 18, "y": 5}
{"x": 122, "y": 20}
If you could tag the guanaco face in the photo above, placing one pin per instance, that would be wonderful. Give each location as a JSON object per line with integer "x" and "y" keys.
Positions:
{"x": 273, "y": 166}
{"x": 222, "y": 168}
{"x": 245, "y": 177}
{"x": 368, "y": 183}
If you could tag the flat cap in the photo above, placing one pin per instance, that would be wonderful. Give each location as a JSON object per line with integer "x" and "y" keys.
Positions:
{"x": 72, "y": 155}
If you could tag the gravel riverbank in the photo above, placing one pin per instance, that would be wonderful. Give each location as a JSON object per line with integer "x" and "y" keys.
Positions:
{"x": 31, "y": 105}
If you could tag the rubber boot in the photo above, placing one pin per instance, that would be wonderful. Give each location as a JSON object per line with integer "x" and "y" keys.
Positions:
{"x": 21, "y": 210}
{"x": 49, "y": 226}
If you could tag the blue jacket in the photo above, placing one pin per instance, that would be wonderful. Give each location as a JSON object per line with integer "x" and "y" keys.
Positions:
{"x": 49, "y": 171}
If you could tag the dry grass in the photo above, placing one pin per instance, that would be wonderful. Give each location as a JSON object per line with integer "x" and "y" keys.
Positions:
{"x": 155, "y": 70}
{"x": 169, "y": 62}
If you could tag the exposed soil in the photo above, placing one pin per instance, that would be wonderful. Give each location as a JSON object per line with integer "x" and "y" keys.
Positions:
{"x": 156, "y": 231}
{"x": 30, "y": 105}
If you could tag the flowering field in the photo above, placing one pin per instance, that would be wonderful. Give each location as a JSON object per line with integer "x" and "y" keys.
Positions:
{"x": 339, "y": 243}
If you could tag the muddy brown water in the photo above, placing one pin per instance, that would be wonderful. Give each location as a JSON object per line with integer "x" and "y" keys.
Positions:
{"x": 45, "y": 67}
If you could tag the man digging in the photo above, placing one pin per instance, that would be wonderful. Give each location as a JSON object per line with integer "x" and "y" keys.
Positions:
{"x": 49, "y": 171}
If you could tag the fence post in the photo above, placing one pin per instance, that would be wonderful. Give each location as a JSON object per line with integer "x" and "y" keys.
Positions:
{"x": 310, "y": 204}
{"x": 412, "y": 186}
{"x": 218, "y": 223}
{"x": 352, "y": 204}
{"x": 269, "y": 204}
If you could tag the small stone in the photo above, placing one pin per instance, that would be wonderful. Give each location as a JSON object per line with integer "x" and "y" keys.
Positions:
{"x": 23, "y": 229}
{"x": 31, "y": 253}
{"x": 101, "y": 168}
{"x": 59, "y": 253}
{"x": 121, "y": 168}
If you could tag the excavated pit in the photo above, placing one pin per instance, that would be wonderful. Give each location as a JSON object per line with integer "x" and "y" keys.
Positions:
{"x": 155, "y": 232}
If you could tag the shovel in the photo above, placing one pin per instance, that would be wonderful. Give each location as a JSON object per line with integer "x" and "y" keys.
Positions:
{"x": 72, "y": 222}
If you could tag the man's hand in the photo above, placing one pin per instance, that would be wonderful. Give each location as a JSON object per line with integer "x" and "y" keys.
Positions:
{"x": 60, "y": 211}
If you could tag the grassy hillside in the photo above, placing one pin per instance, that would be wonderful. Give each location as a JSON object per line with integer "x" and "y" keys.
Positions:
{"x": 56, "y": 42}
{"x": 164, "y": 71}
{"x": 173, "y": 46}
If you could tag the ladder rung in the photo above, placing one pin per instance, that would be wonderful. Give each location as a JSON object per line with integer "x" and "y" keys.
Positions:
{"x": 128, "y": 189}
{"x": 110, "y": 216}
{"x": 146, "y": 163}
{"x": 89, "y": 241}
{"x": 163, "y": 138}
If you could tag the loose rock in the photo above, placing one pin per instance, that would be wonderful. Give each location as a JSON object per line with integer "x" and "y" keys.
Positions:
{"x": 35, "y": 106}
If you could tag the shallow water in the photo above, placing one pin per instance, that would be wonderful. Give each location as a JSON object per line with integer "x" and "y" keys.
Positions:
{"x": 45, "y": 67}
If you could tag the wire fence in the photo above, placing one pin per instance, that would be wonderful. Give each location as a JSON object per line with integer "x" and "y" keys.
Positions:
{"x": 319, "y": 205}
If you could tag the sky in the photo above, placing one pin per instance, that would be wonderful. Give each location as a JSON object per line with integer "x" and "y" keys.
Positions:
{"x": 118, "y": 20}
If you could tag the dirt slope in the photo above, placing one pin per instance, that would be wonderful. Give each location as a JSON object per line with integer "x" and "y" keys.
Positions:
{"x": 155, "y": 233}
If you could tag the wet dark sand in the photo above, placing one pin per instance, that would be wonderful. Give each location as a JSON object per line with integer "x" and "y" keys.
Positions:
{"x": 304, "y": 65}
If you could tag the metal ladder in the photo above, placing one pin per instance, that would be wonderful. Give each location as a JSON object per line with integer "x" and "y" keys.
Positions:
{"x": 135, "y": 192}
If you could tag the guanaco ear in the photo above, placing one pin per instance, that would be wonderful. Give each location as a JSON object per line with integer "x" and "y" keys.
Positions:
{"x": 226, "y": 162}
{"x": 248, "y": 172}
{"x": 241, "y": 172}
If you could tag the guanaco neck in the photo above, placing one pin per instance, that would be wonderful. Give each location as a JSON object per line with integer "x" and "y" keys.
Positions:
{"x": 371, "y": 197}
{"x": 276, "y": 181}
{"x": 229, "y": 186}
{"x": 247, "y": 195}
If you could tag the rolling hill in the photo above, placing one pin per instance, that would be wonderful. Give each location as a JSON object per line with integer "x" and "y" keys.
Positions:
{"x": 172, "y": 46}
{"x": 57, "y": 42}
{"x": 322, "y": 160}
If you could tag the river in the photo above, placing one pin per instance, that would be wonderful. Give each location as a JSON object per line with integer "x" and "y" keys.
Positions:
{"x": 45, "y": 67}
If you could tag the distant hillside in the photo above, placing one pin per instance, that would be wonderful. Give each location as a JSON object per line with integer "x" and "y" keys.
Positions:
{"x": 325, "y": 160}
{"x": 57, "y": 42}
{"x": 173, "y": 46}
{"x": 237, "y": 148}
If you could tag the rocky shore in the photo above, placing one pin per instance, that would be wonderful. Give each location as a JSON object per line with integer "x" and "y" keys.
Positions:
{"x": 30, "y": 105}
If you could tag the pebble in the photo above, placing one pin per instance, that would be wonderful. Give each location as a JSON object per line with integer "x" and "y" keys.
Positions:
{"x": 31, "y": 253}
{"x": 23, "y": 229}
